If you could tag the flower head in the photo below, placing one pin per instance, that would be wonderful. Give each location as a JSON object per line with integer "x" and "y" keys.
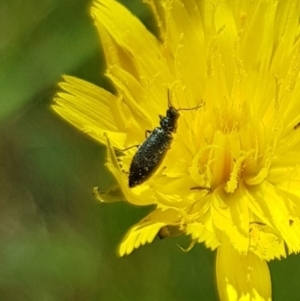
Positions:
{"x": 230, "y": 175}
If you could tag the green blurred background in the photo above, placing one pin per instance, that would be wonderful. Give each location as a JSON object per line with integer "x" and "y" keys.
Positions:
{"x": 56, "y": 241}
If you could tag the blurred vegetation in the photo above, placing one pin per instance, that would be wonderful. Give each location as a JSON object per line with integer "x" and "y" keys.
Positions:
{"x": 57, "y": 241}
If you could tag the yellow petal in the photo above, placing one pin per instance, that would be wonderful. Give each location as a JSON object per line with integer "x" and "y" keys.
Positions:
{"x": 130, "y": 45}
{"x": 265, "y": 244}
{"x": 89, "y": 108}
{"x": 200, "y": 234}
{"x": 241, "y": 277}
{"x": 227, "y": 217}
{"x": 279, "y": 215}
{"x": 146, "y": 230}
{"x": 186, "y": 41}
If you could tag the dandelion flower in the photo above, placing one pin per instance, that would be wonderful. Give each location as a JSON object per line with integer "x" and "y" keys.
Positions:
{"x": 231, "y": 177}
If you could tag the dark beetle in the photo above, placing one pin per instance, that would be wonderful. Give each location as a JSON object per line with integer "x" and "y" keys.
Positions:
{"x": 152, "y": 151}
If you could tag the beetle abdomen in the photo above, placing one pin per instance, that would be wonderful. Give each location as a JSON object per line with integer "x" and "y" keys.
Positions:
{"x": 148, "y": 156}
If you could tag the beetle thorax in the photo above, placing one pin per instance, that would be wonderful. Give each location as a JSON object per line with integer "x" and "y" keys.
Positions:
{"x": 169, "y": 122}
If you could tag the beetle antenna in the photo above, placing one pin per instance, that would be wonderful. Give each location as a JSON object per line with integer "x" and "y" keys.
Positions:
{"x": 170, "y": 98}
{"x": 188, "y": 109}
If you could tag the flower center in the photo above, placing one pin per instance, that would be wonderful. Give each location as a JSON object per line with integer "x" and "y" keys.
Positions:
{"x": 230, "y": 148}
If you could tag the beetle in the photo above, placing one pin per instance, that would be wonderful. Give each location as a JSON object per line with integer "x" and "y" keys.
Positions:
{"x": 151, "y": 152}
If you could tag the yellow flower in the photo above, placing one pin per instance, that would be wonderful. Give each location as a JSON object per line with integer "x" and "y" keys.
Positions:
{"x": 231, "y": 176}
